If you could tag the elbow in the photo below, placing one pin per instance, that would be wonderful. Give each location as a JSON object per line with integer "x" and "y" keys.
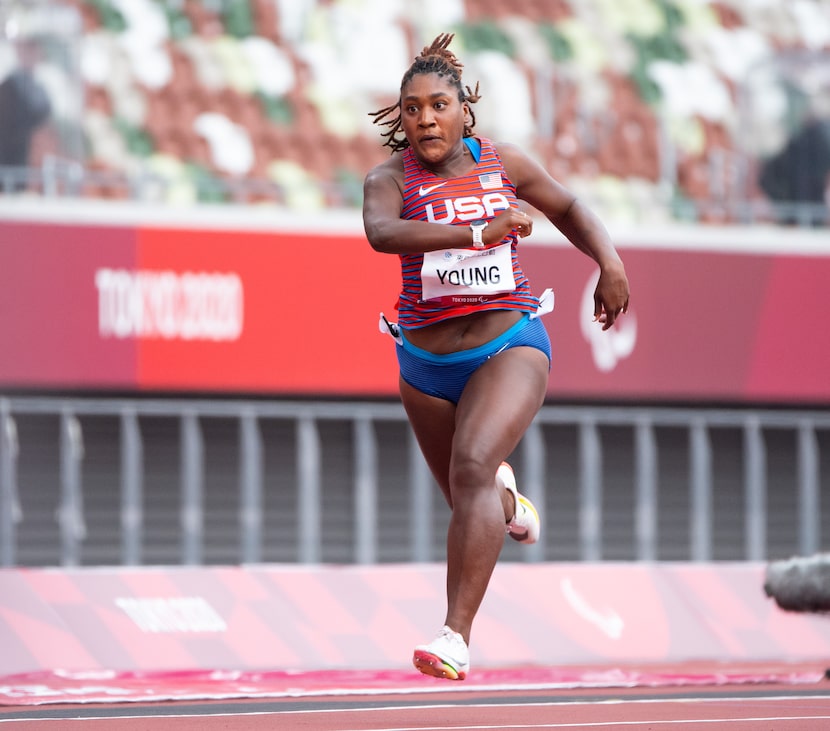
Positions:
{"x": 379, "y": 240}
{"x": 378, "y": 244}
{"x": 383, "y": 248}
{"x": 568, "y": 212}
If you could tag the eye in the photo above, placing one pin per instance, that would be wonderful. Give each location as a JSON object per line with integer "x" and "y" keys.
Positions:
{"x": 440, "y": 105}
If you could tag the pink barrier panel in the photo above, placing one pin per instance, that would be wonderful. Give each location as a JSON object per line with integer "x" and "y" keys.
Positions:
{"x": 287, "y": 618}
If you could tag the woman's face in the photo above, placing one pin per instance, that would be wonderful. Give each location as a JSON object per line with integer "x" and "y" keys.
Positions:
{"x": 432, "y": 117}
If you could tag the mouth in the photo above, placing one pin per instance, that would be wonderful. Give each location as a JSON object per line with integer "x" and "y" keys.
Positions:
{"x": 426, "y": 139}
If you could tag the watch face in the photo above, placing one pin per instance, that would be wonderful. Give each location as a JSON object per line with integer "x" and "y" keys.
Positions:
{"x": 477, "y": 227}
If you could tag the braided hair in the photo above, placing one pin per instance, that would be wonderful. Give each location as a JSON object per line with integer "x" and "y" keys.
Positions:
{"x": 434, "y": 59}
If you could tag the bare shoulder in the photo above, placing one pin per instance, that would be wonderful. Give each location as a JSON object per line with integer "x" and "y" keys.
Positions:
{"x": 383, "y": 191}
{"x": 517, "y": 163}
{"x": 533, "y": 182}
{"x": 509, "y": 150}
{"x": 388, "y": 172}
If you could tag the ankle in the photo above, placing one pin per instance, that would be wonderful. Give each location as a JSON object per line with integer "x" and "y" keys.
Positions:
{"x": 509, "y": 505}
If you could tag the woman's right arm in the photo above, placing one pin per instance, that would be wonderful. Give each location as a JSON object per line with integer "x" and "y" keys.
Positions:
{"x": 387, "y": 232}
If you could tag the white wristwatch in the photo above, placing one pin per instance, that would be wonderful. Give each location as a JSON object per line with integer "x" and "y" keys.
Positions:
{"x": 477, "y": 227}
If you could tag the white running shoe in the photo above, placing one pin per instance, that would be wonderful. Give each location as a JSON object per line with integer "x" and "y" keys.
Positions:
{"x": 446, "y": 656}
{"x": 525, "y": 525}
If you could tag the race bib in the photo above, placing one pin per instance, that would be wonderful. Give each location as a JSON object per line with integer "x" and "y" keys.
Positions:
{"x": 467, "y": 275}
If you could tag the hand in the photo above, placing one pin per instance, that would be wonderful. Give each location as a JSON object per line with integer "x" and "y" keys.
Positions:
{"x": 522, "y": 222}
{"x": 513, "y": 219}
{"x": 611, "y": 295}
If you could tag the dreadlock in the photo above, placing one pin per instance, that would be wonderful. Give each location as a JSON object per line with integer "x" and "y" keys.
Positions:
{"x": 434, "y": 59}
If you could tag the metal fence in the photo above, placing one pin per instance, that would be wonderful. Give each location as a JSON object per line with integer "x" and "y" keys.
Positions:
{"x": 95, "y": 481}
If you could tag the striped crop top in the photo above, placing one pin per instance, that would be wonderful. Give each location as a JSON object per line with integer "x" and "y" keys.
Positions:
{"x": 450, "y": 283}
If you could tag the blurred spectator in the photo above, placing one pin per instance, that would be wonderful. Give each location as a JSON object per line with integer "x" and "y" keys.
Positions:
{"x": 800, "y": 173}
{"x": 24, "y": 106}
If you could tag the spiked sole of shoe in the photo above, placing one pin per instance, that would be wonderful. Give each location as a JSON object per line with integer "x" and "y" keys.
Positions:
{"x": 433, "y": 665}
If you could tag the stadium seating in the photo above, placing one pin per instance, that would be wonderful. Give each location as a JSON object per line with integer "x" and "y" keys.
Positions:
{"x": 651, "y": 108}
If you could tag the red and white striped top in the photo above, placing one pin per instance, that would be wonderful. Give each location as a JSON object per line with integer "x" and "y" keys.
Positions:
{"x": 481, "y": 194}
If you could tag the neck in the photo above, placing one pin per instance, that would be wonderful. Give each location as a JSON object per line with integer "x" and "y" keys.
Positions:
{"x": 459, "y": 162}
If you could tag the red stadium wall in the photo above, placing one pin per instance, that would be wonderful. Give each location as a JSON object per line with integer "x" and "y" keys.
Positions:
{"x": 193, "y": 308}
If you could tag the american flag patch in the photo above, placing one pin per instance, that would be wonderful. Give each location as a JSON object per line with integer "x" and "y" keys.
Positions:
{"x": 490, "y": 181}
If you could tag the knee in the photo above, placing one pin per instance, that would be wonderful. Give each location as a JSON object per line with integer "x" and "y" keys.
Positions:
{"x": 470, "y": 472}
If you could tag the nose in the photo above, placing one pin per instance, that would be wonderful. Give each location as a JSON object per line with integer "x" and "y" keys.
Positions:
{"x": 426, "y": 118}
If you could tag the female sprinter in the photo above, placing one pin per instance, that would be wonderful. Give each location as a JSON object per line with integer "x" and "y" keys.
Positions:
{"x": 474, "y": 358}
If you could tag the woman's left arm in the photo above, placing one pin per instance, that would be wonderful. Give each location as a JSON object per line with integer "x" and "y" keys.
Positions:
{"x": 579, "y": 224}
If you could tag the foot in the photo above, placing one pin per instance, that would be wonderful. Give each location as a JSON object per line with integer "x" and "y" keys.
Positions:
{"x": 446, "y": 656}
{"x": 525, "y": 525}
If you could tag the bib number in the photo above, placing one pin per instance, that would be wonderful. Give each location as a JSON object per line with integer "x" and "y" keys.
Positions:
{"x": 465, "y": 275}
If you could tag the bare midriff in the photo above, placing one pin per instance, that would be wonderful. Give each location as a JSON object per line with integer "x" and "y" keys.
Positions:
{"x": 463, "y": 333}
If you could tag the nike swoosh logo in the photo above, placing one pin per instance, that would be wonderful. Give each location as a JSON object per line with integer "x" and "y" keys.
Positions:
{"x": 424, "y": 191}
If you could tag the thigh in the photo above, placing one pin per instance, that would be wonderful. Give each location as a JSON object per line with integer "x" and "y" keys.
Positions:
{"x": 433, "y": 422}
{"x": 499, "y": 403}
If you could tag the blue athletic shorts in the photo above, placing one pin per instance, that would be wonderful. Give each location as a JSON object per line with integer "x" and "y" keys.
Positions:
{"x": 445, "y": 376}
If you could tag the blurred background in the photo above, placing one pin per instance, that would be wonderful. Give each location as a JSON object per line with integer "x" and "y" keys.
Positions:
{"x": 144, "y": 138}
{"x": 652, "y": 109}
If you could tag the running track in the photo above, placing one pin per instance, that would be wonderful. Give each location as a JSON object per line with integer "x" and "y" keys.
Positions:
{"x": 745, "y": 706}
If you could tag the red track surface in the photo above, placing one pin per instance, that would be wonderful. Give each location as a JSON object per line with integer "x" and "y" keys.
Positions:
{"x": 726, "y": 700}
